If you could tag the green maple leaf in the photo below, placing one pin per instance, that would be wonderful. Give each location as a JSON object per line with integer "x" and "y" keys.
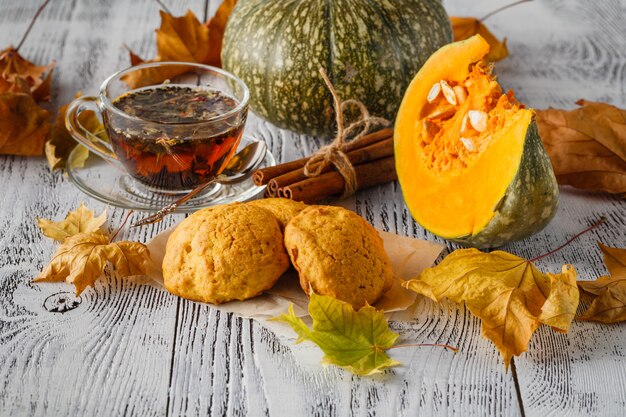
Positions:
{"x": 355, "y": 340}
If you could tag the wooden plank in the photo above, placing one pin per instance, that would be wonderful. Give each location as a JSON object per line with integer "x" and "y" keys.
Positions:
{"x": 111, "y": 355}
{"x": 561, "y": 52}
{"x": 226, "y": 365}
{"x": 138, "y": 351}
{"x": 230, "y": 366}
{"x": 583, "y": 372}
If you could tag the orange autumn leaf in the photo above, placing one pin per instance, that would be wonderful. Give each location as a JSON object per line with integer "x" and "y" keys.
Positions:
{"x": 23, "y": 125}
{"x": 217, "y": 25}
{"x": 609, "y": 305}
{"x": 182, "y": 39}
{"x": 466, "y": 27}
{"x": 587, "y": 145}
{"x": 17, "y": 75}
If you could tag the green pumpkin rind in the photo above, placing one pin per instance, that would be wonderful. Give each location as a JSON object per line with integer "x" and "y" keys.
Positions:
{"x": 530, "y": 201}
{"x": 371, "y": 51}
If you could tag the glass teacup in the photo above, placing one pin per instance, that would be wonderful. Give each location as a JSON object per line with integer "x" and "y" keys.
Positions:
{"x": 170, "y": 136}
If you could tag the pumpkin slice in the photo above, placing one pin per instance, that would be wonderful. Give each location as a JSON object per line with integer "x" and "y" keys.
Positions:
{"x": 469, "y": 157}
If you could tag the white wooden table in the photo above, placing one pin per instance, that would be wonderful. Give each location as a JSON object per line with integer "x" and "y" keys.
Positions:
{"x": 136, "y": 350}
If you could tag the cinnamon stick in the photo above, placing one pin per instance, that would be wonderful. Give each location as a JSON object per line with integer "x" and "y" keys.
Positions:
{"x": 368, "y": 153}
{"x": 269, "y": 194}
{"x": 264, "y": 175}
{"x": 332, "y": 183}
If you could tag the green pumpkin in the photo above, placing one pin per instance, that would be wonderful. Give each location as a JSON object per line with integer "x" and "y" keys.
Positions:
{"x": 370, "y": 49}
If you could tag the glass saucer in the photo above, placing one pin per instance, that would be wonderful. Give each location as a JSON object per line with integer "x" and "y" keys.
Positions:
{"x": 108, "y": 183}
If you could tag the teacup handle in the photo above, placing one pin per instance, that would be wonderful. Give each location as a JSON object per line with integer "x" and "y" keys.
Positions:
{"x": 82, "y": 135}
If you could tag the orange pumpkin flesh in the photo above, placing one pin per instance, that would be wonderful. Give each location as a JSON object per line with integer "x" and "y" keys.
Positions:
{"x": 455, "y": 176}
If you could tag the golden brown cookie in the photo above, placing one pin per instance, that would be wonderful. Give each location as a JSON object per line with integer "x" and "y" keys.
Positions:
{"x": 283, "y": 208}
{"x": 225, "y": 253}
{"x": 338, "y": 253}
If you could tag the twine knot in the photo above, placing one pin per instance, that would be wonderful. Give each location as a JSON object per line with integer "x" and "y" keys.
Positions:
{"x": 333, "y": 153}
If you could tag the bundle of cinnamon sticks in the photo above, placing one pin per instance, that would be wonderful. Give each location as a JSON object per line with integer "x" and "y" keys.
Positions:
{"x": 371, "y": 156}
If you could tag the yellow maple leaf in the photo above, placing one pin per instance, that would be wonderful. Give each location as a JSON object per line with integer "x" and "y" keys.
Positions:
{"x": 466, "y": 27}
{"x": 609, "y": 306}
{"x": 81, "y": 220}
{"x": 510, "y": 296}
{"x": 81, "y": 258}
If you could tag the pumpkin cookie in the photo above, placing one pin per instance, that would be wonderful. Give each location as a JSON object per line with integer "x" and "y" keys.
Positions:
{"x": 225, "y": 253}
{"x": 283, "y": 208}
{"x": 338, "y": 253}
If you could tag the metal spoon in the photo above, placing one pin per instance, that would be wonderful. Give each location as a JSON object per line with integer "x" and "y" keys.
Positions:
{"x": 237, "y": 170}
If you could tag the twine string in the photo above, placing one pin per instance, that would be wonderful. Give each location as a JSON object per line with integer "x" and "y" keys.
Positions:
{"x": 333, "y": 153}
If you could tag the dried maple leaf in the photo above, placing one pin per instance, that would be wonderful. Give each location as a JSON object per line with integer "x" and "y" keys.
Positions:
{"x": 217, "y": 25}
{"x": 609, "y": 306}
{"x": 81, "y": 258}
{"x": 60, "y": 143}
{"x": 466, "y": 27}
{"x": 182, "y": 39}
{"x": 23, "y": 125}
{"x": 587, "y": 145}
{"x": 355, "y": 340}
{"x": 81, "y": 220}
{"x": 18, "y": 75}
{"x": 510, "y": 296}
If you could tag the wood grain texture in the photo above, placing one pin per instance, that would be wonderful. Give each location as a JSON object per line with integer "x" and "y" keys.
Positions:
{"x": 583, "y": 372}
{"x": 124, "y": 349}
{"x": 111, "y": 354}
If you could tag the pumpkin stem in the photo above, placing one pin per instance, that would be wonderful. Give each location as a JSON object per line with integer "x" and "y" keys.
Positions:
{"x": 593, "y": 226}
{"x": 122, "y": 226}
{"x": 452, "y": 348}
{"x": 499, "y": 9}
{"x": 32, "y": 22}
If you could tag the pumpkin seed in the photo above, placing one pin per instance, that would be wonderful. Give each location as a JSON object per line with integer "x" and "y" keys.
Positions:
{"x": 469, "y": 144}
{"x": 464, "y": 124}
{"x": 426, "y": 124}
{"x": 429, "y": 131}
{"x": 434, "y": 92}
{"x": 442, "y": 113}
{"x": 448, "y": 92}
{"x": 460, "y": 93}
{"x": 478, "y": 119}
